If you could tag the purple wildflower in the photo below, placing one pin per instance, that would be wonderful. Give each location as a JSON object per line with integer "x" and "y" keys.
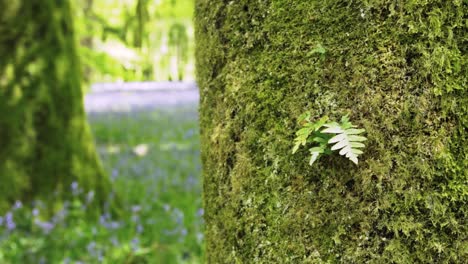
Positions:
{"x": 135, "y": 218}
{"x": 114, "y": 225}
{"x": 35, "y": 212}
{"x": 136, "y": 209}
{"x": 139, "y": 229}
{"x": 135, "y": 244}
{"x": 115, "y": 174}
{"x": 100, "y": 256}
{"x": 18, "y": 205}
{"x": 179, "y": 216}
{"x": 60, "y": 216}
{"x": 114, "y": 241}
{"x": 191, "y": 181}
{"x": 91, "y": 247}
{"x": 10, "y": 223}
{"x": 200, "y": 212}
{"x": 103, "y": 220}
{"x": 75, "y": 188}
{"x": 45, "y": 226}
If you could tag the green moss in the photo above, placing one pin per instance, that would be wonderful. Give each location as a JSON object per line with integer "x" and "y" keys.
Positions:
{"x": 398, "y": 68}
{"x": 45, "y": 143}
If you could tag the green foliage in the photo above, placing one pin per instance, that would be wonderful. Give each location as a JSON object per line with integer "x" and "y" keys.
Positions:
{"x": 346, "y": 138}
{"x": 138, "y": 40}
{"x": 161, "y": 220}
{"x": 399, "y": 68}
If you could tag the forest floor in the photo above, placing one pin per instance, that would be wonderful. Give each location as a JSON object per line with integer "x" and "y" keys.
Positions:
{"x": 138, "y": 96}
{"x": 153, "y": 159}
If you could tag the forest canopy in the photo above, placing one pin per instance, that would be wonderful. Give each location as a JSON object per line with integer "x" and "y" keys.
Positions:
{"x": 135, "y": 40}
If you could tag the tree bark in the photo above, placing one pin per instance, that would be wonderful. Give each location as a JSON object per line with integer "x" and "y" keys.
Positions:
{"x": 397, "y": 68}
{"x": 45, "y": 141}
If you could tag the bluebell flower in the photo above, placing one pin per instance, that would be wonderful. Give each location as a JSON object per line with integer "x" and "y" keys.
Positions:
{"x": 135, "y": 218}
{"x": 136, "y": 208}
{"x": 135, "y": 243}
{"x": 35, "y": 212}
{"x": 100, "y": 256}
{"x": 179, "y": 215}
{"x": 139, "y": 229}
{"x": 91, "y": 247}
{"x": 114, "y": 241}
{"x": 45, "y": 226}
{"x": 115, "y": 174}
{"x": 60, "y": 216}
{"x": 200, "y": 212}
{"x": 103, "y": 219}
{"x": 75, "y": 188}
{"x": 114, "y": 225}
{"x": 18, "y": 205}
{"x": 10, "y": 223}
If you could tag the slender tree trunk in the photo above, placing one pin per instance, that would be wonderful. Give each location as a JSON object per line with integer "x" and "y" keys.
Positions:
{"x": 398, "y": 68}
{"x": 87, "y": 40}
{"x": 45, "y": 141}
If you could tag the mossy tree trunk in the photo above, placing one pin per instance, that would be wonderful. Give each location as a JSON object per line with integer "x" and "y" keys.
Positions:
{"x": 45, "y": 142}
{"x": 398, "y": 68}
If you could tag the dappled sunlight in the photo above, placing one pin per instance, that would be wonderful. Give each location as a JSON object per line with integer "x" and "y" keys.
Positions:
{"x": 141, "y": 150}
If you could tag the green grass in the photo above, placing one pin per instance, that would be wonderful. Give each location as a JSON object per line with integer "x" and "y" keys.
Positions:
{"x": 160, "y": 191}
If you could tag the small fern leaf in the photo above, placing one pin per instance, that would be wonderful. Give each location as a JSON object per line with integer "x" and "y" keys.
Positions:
{"x": 354, "y": 131}
{"x": 313, "y": 158}
{"x": 347, "y": 142}
{"x": 337, "y": 138}
{"x": 357, "y": 151}
{"x": 341, "y": 144}
{"x": 357, "y": 145}
{"x": 354, "y": 159}
{"x": 357, "y": 138}
{"x": 333, "y": 128}
{"x": 296, "y": 147}
{"x": 315, "y": 153}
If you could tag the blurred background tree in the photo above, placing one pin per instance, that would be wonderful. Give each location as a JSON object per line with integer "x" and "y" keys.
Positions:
{"x": 45, "y": 142}
{"x": 136, "y": 40}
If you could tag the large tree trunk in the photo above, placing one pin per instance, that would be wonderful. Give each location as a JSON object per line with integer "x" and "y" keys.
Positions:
{"x": 45, "y": 142}
{"x": 398, "y": 68}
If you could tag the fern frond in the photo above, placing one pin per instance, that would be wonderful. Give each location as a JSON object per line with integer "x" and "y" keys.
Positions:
{"x": 346, "y": 141}
{"x": 344, "y": 136}
{"x": 315, "y": 153}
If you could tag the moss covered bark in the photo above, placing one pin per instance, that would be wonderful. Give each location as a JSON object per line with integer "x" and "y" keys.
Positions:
{"x": 45, "y": 142}
{"x": 398, "y": 68}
